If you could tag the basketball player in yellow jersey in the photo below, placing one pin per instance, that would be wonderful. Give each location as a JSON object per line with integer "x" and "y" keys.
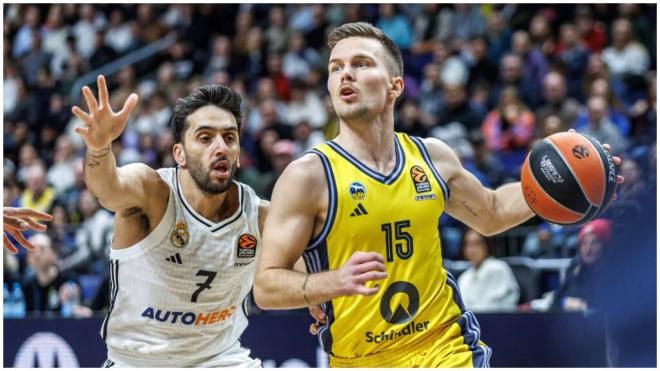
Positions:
{"x": 363, "y": 210}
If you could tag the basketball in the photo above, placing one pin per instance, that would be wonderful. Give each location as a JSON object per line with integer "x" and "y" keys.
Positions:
{"x": 568, "y": 178}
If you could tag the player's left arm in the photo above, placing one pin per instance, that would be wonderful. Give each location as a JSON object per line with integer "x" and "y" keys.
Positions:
{"x": 485, "y": 210}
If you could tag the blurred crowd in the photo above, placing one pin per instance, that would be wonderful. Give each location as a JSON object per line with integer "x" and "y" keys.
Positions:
{"x": 489, "y": 80}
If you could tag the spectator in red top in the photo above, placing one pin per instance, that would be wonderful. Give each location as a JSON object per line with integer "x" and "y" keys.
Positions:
{"x": 591, "y": 32}
{"x": 510, "y": 126}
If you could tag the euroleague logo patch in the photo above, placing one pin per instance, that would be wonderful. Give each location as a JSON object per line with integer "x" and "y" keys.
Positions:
{"x": 580, "y": 152}
{"x": 420, "y": 179}
{"x": 357, "y": 191}
{"x": 247, "y": 246}
{"x": 180, "y": 235}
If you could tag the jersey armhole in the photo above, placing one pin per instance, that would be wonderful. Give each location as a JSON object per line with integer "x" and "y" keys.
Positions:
{"x": 427, "y": 158}
{"x": 332, "y": 200}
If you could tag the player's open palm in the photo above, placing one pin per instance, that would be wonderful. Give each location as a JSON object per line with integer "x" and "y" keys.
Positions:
{"x": 358, "y": 270}
{"x": 102, "y": 124}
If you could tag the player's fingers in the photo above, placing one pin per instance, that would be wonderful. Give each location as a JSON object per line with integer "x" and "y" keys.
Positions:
{"x": 620, "y": 179}
{"x": 8, "y": 245}
{"x": 370, "y": 266}
{"x": 371, "y": 276}
{"x": 92, "y": 104}
{"x": 368, "y": 291}
{"x": 614, "y": 197}
{"x": 18, "y": 236}
{"x": 617, "y": 160}
{"x": 607, "y": 147}
{"x": 83, "y": 132}
{"x": 15, "y": 223}
{"x": 571, "y": 130}
{"x": 103, "y": 92}
{"x": 129, "y": 105}
{"x": 82, "y": 115}
{"x": 36, "y": 225}
{"x": 363, "y": 257}
{"x": 26, "y": 211}
{"x": 317, "y": 313}
{"x": 314, "y": 329}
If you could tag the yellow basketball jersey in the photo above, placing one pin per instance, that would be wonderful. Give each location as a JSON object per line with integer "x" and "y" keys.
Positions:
{"x": 397, "y": 216}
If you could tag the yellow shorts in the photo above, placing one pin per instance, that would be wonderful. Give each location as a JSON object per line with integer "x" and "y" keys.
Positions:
{"x": 438, "y": 349}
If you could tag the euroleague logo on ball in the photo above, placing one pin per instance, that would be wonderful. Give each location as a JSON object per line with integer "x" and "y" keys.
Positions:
{"x": 580, "y": 152}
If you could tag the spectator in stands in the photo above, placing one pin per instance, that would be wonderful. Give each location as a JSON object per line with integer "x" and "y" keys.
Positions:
{"x": 306, "y": 137}
{"x": 457, "y": 108}
{"x": 431, "y": 97}
{"x": 44, "y": 279}
{"x": 509, "y": 128}
{"x": 626, "y": 56}
{"x": 24, "y": 37}
{"x": 535, "y": 66}
{"x": 282, "y": 154}
{"x": 465, "y": 21}
{"x": 61, "y": 174}
{"x": 38, "y": 195}
{"x": 498, "y": 35}
{"x": 119, "y": 36}
{"x": 395, "y": 25}
{"x": 582, "y": 288}
{"x": 644, "y": 115}
{"x": 451, "y": 68}
{"x": 408, "y": 120}
{"x": 489, "y": 284}
{"x": 511, "y": 75}
{"x": 601, "y": 127}
{"x": 591, "y": 32}
{"x": 299, "y": 59}
{"x": 93, "y": 238}
{"x": 103, "y": 54}
{"x": 573, "y": 56}
{"x": 556, "y": 101}
{"x": 305, "y": 105}
{"x": 482, "y": 69}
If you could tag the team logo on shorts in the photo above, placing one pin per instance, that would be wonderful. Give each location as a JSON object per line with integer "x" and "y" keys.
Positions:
{"x": 357, "y": 191}
{"x": 247, "y": 246}
{"x": 420, "y": 179}
{"x": 180, "y": 235}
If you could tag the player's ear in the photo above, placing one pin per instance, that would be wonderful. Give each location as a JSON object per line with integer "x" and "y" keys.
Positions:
{"x": 396, "y": 86}
{"x": 179, "y": 155}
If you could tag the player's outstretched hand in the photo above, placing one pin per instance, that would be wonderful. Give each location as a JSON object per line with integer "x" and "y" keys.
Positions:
{"x": 17, "y": 220}
{"x": 102, "y": 124}
{"x": 359, "y": 269}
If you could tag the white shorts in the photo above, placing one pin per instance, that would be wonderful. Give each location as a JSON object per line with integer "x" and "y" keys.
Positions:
{"x": 236, "y": 356}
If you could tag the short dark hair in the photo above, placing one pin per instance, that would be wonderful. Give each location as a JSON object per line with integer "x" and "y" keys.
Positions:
{"x": 215, "y": 95}
{"x": 364, "y": 29}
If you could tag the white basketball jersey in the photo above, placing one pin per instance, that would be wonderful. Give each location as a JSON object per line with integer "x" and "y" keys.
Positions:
{"x": 177, "y": 296}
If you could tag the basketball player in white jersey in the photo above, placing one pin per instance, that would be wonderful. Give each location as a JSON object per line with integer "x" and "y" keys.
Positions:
{"x": 185, "y": 241}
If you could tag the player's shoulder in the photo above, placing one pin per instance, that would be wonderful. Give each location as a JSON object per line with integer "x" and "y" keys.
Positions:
{"x": 309, "y": 167}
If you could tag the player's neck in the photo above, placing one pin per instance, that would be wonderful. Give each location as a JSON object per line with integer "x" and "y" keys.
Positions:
{"x": 216, "y": 207}
{"x": 372, "y": 143}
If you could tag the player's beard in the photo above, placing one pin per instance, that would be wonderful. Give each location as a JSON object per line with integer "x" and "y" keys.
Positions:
{"x": 202, "y": 176}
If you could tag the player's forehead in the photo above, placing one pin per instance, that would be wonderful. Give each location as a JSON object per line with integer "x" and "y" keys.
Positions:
{"x": 211, "y": 117}
{"x": 352, "y": 47}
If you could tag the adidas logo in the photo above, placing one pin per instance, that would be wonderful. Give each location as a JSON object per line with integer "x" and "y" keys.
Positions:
{"x": 359, "y": 210}
{"x": 176, "y": 258}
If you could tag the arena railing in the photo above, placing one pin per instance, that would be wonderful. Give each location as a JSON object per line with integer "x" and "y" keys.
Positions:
{"x": 115, "y": 66}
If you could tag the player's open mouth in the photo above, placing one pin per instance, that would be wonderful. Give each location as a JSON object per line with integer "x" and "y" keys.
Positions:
{"x": 221, "y": 169}
{"x": 347, "y": 93}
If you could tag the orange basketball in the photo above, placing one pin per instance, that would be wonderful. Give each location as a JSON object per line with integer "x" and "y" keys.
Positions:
{"x": 568, "y": 178}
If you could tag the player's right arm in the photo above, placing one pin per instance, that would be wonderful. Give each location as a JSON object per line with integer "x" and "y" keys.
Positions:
{"x": 297, "y": 201}
{"x": 131, "y": 186}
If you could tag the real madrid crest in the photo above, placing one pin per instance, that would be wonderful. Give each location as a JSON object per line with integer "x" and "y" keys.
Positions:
{"x": 180, "y": 235}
